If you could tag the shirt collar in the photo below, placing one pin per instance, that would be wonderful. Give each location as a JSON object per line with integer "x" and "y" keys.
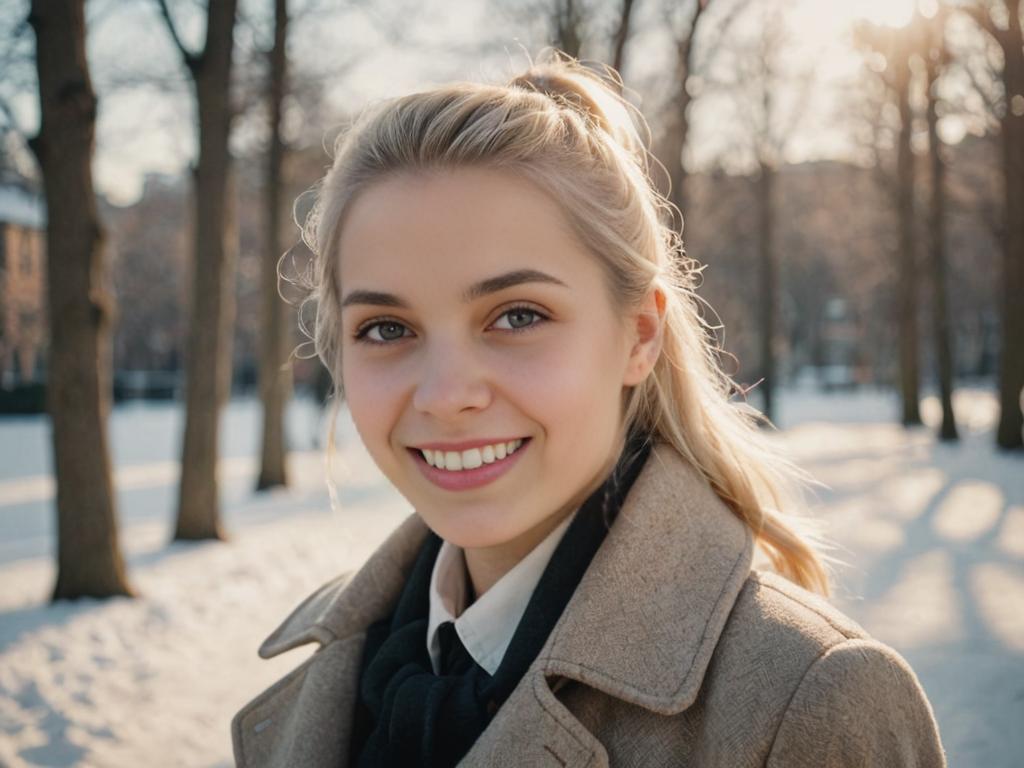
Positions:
{"x": 485, "y": 627}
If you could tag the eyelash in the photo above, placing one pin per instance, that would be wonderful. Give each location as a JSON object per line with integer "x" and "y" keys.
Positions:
{"x": 361, "y": 333}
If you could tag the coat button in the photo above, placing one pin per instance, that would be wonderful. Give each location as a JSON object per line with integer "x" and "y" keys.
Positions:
{"x": 492, "y": 706}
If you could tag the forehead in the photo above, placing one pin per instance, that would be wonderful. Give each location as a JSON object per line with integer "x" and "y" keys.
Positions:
{"x": 440, "y": 231}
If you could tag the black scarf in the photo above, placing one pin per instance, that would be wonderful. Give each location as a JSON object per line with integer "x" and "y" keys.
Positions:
{"x": 406, "y": 715}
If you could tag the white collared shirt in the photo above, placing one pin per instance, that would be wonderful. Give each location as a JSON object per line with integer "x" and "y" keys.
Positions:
{"x": 485, "y": 627}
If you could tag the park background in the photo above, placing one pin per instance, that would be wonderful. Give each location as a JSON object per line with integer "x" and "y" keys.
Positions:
{"x": 850, "y": 174}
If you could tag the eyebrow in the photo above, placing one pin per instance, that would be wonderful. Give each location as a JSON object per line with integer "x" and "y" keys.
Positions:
{"x": 475, "y": 291}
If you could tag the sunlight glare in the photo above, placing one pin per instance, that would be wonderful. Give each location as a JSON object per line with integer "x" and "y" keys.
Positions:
{"x": 821, "y": 20}
{"x": 890, "y": 13}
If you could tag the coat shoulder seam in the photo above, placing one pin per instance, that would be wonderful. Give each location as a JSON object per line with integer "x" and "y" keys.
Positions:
{"x": 816, "y": 610}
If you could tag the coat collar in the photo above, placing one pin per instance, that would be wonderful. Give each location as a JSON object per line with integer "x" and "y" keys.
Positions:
{"x": 669, "y": 572}
{"x": 348, "y": 604}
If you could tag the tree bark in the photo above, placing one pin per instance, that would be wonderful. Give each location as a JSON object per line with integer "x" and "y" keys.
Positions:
{"x": 937, "y": 248}
{"x": 275, "y": 375}
{"x": 907, "y": 289}
{"x": 1011, "y": 358}
{"x": 80, "y": 307}
{"x": 211, "y": 314}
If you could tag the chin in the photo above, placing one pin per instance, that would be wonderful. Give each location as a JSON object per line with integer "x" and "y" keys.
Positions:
{"x": 473, "y": 531}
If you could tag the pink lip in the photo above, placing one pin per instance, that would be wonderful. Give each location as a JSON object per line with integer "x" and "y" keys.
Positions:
{"x": 466, "y": 479}
{"x": 465, "y": 445}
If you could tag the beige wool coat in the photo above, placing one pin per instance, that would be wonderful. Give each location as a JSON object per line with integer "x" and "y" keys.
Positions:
{"x": 673, "y": 651}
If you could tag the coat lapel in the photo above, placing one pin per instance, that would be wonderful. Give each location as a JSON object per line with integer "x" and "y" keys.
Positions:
{"x": 534, "y": 728}
{"x": 667, "y": 576}
{"x": 642, "y": 624}
{"x": 306, "y": 717}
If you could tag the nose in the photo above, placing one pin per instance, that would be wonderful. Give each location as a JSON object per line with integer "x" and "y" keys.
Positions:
{"x": 452, "y": 381}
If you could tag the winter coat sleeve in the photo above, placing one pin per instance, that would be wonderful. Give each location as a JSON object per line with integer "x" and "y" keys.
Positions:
{"x": 858, "y": 704}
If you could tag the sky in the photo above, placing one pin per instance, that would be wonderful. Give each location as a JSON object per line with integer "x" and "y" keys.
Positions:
{"x": 144, "y": 128}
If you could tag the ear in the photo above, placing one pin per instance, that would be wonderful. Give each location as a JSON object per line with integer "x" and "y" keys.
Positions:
{"x": 646, "y": 327}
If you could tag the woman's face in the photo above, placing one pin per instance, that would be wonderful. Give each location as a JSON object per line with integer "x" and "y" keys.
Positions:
{"x": 471, "y": 317}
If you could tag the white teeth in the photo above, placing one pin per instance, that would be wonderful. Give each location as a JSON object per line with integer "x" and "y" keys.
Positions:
{"x": 471, "y": 459}
{"x": 452, "y": 460}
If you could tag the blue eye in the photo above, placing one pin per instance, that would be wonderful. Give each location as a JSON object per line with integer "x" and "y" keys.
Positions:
{"x": 391, "y": 331}
{"x": 386, "y": 332}
{"x": 521, "y": 312}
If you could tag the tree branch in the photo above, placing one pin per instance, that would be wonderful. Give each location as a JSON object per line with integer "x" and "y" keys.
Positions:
{"x": 992, "y": 104}
{"x": 733, "y": 12}
{"x": 8, "y": 113}
{"x": 191, "y": 59}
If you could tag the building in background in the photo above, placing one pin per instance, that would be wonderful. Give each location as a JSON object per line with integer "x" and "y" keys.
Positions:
{"x": 22, "y": 282}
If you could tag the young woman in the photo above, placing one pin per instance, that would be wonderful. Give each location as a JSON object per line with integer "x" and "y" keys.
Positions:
{"x": 507, "y": 310}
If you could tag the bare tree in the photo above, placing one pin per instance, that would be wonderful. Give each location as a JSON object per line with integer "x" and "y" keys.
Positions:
{"x": 17, "y": 62}
{"x": 686, "y": 21}
{"x": 676, "y": 121}
{"x": 621, "y": 35}
{"x": 936, "y": 57}
{"x": 567, "y": 22}
{"x": 81, "y": 309}
{"x": 907, "y": 309}
{"x": 769, "y": 155}
{"x": 1001, "y": 21}
{"x": 897, "y": 46}
{"x": 275, "y": 375}
{"x": 211, "y": 314}
{"x": 756, "y": 84}
{"x": 580, "y": 28}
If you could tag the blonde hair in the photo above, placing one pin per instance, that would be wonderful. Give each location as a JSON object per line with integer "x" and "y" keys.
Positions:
{"x": 566, "y": 128}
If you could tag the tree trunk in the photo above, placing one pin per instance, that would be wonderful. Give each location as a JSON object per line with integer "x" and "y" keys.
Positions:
{"x": 621, "y": 37}
{"x": 567, "y": 23}
{"x": 769, "y": 283}
{"x": 275, "y": 375}
{"x": 937, "y": 247}
{"x": 677, "y": 122}
{"x": 1011, "y": 359}
{"x": 80, "y": 309}
{"x": 677, "y": 127}
{"x": 208, "y": 355}
{"x": 907, "y": 290}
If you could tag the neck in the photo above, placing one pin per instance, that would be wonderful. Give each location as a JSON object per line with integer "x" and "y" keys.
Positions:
{"x": 486, "y": 565}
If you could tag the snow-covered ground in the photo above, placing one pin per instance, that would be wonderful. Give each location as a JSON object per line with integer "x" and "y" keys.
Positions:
{"x": 933, "y": 533}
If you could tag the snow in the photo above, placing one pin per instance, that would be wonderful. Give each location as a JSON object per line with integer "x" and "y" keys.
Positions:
{"x": 933, "y": 533}
{"x": 22, "y": 207}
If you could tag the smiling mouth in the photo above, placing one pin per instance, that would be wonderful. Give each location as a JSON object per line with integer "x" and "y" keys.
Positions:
{"x": 473, "y": 458}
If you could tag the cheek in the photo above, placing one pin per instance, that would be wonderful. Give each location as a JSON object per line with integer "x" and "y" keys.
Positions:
{"x": 372, "y": 398}
{"x": 575, "y": 379}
